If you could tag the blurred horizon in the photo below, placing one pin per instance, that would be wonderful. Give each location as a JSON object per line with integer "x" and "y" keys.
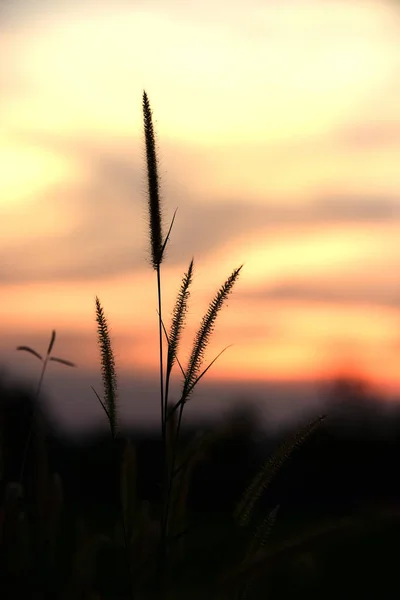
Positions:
{"x": 275, "y": 405}
{"x": 278, "y": 135}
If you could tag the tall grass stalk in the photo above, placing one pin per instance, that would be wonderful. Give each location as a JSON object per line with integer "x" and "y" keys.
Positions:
{"x": 191, "y": 376}
{"x": 109, "y": 405}
{"x": 157, "y": 247}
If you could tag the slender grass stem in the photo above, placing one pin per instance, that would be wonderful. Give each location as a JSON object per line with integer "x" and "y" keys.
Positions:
{"x": 126, "y": 541}
{"x": 163, "y": 409}
{"x": 172, "y": 473}
{"x": 164, "y": 465}
{"x": 28, "y": 441}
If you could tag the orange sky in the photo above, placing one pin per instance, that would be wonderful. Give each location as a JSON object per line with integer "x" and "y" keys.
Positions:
{"x": 279, "y": 138}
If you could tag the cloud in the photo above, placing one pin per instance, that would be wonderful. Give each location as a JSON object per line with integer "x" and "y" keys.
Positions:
{"x": 353, "y": 209}
{"x": 110, "y": 237}
{"x": 372, "y": 134}
{"x": 345, "y": 293}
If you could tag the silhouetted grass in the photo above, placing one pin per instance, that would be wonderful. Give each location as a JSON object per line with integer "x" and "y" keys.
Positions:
{"x": 149, "y": 563}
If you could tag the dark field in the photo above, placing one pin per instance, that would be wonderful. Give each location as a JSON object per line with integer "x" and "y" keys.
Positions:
{"x": 336, "y": 528}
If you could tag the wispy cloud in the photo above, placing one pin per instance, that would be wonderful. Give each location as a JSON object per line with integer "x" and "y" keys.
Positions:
{"x": 106, "y": 235}
{"x": 330, "y": 292}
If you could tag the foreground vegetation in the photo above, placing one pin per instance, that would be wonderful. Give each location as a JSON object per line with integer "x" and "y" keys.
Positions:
{"x": 132, "y": 544}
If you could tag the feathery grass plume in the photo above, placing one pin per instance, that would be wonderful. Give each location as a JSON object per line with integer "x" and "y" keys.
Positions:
{"x": 45, "y": 361}
{"x": 191, "y": 377}
{"x": 107, "y": 369}
{"x": 263, "y": 478}
{"x": 204, "y": 333}
{"x": 153, "y": 189}
{"x": 177, "y": 324}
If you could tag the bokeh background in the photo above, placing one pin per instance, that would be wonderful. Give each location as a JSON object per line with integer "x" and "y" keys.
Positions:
{"x": 279, "y": 142}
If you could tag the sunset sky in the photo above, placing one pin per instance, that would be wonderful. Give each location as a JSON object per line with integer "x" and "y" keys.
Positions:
{"x": 278, "y": 127}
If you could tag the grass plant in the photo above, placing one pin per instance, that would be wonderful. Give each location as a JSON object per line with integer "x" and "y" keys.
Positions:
{"x": 45, "y": 361}
{"x": 174, "y": 482}
{"x": 168, "y": 554}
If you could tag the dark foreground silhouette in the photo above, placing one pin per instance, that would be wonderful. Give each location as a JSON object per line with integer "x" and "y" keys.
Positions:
{"x": 337, "y": 524}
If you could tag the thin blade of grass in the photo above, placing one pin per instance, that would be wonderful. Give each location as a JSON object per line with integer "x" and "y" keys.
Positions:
{"x": 63, "y": 361}
{"x": 101, "y": 402}
{"x": 27, "y": 349}
{"x": 52, "y": 340}
{"x": 167, "y": 338}
{"x": 167, "y": 236}
{"x": 205, "y": 370}
{"x": 183, "y": 401}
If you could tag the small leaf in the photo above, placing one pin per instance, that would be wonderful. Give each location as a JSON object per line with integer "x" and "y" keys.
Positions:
{"x": 169, "y": 231}
{"x": 53, "y": 337}
{"x": 205, "y": 370}
{"x": 168, "y": 342}
{"x": 183, "y": 399}
{"x": 102, "y": 403}
{"x": 27, "y": 349}
{"x": 62, "y": 361}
